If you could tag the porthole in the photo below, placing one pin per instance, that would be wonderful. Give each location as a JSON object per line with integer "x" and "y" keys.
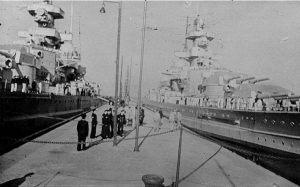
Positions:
{"x": 252, "y": 118}
{"x": 282, "y": 122}
{"x": 265, "y": 139}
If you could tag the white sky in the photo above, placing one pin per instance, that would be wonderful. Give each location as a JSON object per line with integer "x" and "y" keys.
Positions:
{"x": 261, "y": 39}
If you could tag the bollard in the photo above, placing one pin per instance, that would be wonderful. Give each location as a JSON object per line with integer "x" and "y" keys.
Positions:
{"x": 152, "y": 180}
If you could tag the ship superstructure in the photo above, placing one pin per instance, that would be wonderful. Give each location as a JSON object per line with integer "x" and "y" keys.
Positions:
{"x": 199, "y": 80}
{"x": 43, "y": 55}
{"x": 42, "y": 78}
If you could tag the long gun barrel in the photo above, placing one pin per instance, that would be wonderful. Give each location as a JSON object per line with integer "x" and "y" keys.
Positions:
{"x": 7, "y": 55}
{"x": 265, "y": 96}
{"x": 291, "y": 98}
{"x": 258, "y": 80}
{"x": 240, "y": 81}
{"x": 232, "y": 78}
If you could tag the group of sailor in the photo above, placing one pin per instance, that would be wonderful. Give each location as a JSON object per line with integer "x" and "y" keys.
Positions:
{"x": 19, "y": 83}
{"x": 235, "y": 103}
{"x": 107, "y": 123}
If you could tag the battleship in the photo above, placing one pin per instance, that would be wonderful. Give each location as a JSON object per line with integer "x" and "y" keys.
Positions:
{"x": 42, "y": 79}
{"x": 255, "y": 119}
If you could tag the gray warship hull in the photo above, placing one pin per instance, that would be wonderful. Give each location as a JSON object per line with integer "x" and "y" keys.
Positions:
{"x": 24, "y": 115}
{"x": 270, "y": 138}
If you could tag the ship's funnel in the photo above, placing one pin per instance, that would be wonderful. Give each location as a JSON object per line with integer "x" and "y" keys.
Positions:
{"x": 240, "y": 81}
{"x": 258, "y": 80}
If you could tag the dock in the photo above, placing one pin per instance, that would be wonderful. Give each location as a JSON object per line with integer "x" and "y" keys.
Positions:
{"x": 52, "y": 160}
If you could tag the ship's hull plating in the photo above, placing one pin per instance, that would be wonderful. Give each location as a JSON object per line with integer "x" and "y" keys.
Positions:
{"x": 274, "y": 130}
{"x": 24, "y": 114}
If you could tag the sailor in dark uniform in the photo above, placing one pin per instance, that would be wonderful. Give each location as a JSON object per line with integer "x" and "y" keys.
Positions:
{"x": 110, "y": 123}
{"x": 94, "y": 125}
{"x": 83, "y": 131}
{"x": 121, "y": 120}
{"x": 142, "y": 116}
{"x": 33, "y": 86}
{"x": 105, "y": 125}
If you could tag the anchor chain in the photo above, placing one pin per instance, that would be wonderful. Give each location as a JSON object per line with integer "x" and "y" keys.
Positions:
{"x": 89, "y": 142}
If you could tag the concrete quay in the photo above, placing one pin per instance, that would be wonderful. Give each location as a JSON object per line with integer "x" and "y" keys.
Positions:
{"x": 203, "y": 163}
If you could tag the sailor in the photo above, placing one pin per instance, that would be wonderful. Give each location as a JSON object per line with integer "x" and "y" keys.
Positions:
{"x": 259, "y": 105}
{"x": 142, "y": 116}
{"x": 172, "y": 118}
{"x": 40, "y": 86}
{"x": 83, "y": 131}
{"x": 94, "y": 124}
{"x": 121, "y": 121}
{"x": 157, "y": 121}
{"x": 110, "y": 122}
{"x": 13, "y": 81}
{"x": 178, "y": 119}
{"x": 105, "y": 126}
{"x": 160, "y": 114}
{"x": 24, "y": 82}
{"x": 33, "y": 86}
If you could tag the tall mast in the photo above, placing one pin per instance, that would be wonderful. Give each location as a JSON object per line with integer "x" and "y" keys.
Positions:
{"x": 186, "y": 31}
{"x": 129, "y": 82}
{"x": 121, "y": 79}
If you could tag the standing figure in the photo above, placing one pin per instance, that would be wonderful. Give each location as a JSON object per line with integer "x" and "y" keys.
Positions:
{"x": 121, "y": 120}
{"x": 157, "y": 122}
{"x": 178, "y": 119}
{"x": 33, "y": 86}
{"x": 172, "y": 119}
{"x": 110, "y": 123}
{"x": 13, "y": 81}
{"x": 142, "y": 116}
{"x": 94, "y": 125}
{"x": 83, "y": 131}
{"x": 105, "y": 125}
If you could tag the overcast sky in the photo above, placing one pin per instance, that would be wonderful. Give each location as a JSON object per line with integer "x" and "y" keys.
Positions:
{"x": 261, "y": 39}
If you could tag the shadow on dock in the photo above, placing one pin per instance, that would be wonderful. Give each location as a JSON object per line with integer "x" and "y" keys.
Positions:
{"x": 16, "y": 182}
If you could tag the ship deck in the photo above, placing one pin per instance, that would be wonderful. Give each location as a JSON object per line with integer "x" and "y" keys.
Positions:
{"x": 203, "y": 163}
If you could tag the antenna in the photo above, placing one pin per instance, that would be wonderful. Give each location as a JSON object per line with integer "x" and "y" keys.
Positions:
{"x": 71, "y": 25}
{"x": 79, "y": 37}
